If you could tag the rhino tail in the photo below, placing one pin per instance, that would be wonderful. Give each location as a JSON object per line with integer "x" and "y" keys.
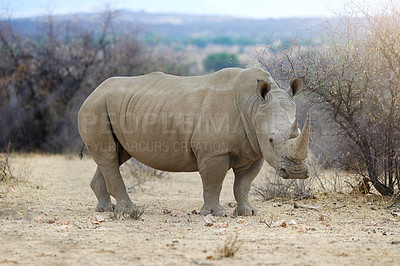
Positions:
{"x": 81, "y": 150}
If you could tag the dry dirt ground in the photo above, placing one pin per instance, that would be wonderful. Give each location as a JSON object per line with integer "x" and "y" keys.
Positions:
{"x": 47, "y": 217}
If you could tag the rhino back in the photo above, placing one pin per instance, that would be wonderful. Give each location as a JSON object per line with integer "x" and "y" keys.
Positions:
{"x": 161, "y": 119}
{"x": 168, "y": 122}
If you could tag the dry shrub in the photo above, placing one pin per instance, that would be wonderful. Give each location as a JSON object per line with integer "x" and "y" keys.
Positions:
{"x": 5, "y": 171}
{"x": 394, "y": 201}
{"x": 274, "y": 186}
{"x": 135, "y": 173}
{"x": 230, "y": 248}
{"x": 141, "y": 171}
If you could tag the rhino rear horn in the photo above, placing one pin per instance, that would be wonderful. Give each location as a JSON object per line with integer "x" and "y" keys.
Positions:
{"x": 294, "y": 129}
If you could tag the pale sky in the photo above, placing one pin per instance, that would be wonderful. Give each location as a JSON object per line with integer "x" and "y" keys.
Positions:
{"x": 236, "y": 8}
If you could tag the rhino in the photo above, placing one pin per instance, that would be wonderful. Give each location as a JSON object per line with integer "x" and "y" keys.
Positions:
{"x": 231, "y": 119}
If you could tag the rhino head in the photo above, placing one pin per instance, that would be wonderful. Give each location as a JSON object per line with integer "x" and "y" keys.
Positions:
{"x": 281, "y": 142}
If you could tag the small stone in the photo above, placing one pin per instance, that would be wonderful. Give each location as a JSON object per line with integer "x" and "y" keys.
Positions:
{"x": 280, "y": 223}
{"x": 209, "y": 221}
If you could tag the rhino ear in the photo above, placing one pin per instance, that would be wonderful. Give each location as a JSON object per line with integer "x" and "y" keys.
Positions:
{"x": 297, "y": 86}
{"x": 263, "y": 88}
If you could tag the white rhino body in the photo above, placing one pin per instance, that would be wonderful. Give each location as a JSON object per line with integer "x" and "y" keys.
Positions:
{"x": 234, "y": 118}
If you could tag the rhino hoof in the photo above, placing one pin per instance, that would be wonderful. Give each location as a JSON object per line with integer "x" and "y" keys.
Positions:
{"x": 105, "y": 207}
{"x": 245, "y": 212}
{"x": 220, "y": 212}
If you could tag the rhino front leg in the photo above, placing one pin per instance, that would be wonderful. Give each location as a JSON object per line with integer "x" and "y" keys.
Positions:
{"x": 98, "y": 185}
{"x": 213, "y": 171}
{"x": 243, "y": 179}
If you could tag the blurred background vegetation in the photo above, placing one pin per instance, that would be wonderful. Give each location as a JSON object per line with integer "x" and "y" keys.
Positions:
{"x": 351, "y": 63}
{"x": 50, "y": 64}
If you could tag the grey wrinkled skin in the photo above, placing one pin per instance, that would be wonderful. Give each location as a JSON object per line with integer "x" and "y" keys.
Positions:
{"x": 233, "y": 118}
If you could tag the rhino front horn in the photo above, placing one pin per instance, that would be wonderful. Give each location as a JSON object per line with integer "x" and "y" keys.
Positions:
{"x": 300, "y": 144}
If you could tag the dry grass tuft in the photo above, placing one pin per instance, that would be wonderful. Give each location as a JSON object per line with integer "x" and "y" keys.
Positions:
{"x": 134, "y": 213}
{"x": 230, "y": 247}
{"x": 5, "y": 171}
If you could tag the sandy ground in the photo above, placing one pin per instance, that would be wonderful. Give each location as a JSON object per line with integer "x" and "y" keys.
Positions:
{"x": 48, "y": 218}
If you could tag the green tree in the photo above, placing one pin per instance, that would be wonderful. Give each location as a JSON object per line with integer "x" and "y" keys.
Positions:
{"x": 217, "y": 61}
{"x": 223, "y": 40}
{"x": 199, "y": 42}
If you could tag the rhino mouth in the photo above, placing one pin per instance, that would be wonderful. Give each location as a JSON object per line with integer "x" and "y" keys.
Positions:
{"x": 291, "y": 169}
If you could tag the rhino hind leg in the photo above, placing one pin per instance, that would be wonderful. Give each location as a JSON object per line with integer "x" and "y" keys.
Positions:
{"x": 212, "y": 173}
{"x": 243, "y": 179}
{"x": 116, "y": 186}
{"x": 98, "y": 185}
{"x": 108, "y": 154}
